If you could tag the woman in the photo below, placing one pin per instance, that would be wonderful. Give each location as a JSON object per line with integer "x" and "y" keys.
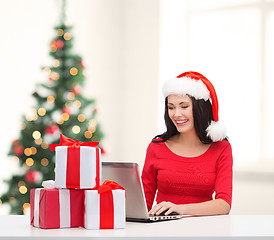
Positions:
{"x": 192, "y": 160}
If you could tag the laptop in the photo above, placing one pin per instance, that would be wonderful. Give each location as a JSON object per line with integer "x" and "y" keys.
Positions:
{"x": 127, "y": 175}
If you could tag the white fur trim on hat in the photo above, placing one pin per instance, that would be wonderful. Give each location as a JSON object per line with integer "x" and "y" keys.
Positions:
{"x": 186, "y": 85}
{"x": 216, "y": 131}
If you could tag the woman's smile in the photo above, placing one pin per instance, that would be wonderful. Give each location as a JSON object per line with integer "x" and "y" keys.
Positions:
{"x": 181, "y": 123}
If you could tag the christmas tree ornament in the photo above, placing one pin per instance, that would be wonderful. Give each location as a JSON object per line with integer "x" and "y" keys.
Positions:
{"x": 97, "y": 109}
{"x": 18, "y": 150}
{"x": 52, "y": 129}
{"x": 33, "y": 177}
{"x": 82, "y": 64}
{"x": 77, "y": 89}
{"x": 103, "y": 150}
{"x": 198, "y": 86}
{"x": 15, "y": 142}
{"x": 66, "y": 110}
{"x": 59, "y": 44}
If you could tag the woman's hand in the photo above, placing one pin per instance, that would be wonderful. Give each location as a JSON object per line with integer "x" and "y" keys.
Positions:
{"x": 167, "y": 208}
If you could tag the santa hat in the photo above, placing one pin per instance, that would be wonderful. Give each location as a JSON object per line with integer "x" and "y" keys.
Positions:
{"x": 199, "y": 87}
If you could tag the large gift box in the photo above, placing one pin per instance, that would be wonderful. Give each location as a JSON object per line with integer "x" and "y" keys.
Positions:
{"x": 77, "y": 164}
{"x": 56, "y": 208}
{"x": 104, "y": 207}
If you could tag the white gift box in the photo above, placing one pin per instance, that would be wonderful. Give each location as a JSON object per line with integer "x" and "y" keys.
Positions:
{"x": 77, "y": 167}
{"x": 105, "y": 210}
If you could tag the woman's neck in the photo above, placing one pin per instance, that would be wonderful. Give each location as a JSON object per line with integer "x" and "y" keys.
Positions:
{"x": 187, "y": 145}
{"x": 188, "y": 139}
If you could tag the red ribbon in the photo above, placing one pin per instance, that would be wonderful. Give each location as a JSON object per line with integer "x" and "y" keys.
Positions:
{"x": 107, "y": 186}
{"x": 65, "y": 141}
{"x": 73, "y": 160}
{"x": 106, "y": 203}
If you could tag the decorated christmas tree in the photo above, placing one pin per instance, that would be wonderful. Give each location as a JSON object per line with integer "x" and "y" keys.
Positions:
{"x": 60, "y": 108}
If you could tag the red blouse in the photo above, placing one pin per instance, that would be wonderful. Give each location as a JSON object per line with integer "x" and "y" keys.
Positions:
{"x": 183, "y": 180}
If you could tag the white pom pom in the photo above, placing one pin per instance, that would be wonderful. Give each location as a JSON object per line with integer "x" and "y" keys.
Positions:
{"x": 216, "y": 131}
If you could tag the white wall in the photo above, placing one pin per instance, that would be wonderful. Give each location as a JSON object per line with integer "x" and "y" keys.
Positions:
{"x": 121, "y": 49}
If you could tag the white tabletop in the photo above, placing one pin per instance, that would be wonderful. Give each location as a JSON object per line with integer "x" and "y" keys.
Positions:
{"x": 229, "y": 226}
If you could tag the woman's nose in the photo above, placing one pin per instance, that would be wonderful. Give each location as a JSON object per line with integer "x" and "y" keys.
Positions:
{"x": 177, "y": 112}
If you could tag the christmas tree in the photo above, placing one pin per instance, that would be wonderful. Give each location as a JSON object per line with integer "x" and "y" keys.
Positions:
{"x": 60, "y": 108}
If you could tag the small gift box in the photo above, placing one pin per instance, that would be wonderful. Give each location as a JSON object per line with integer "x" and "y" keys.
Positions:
{"x": 77, "y": 164}
{"x": 104, "y": 207}
{"x": 56, "y": 208}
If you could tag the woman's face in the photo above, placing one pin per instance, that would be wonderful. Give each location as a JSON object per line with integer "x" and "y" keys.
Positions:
{"x": 180, "y": 112}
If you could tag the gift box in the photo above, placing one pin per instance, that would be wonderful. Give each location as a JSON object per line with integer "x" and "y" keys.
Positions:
{"x": 104, "y": 207}
{"x": 56, "y": 208}
{"x": 77, "y": 164}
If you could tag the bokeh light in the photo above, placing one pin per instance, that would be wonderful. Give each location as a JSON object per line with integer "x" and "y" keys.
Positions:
{"x": 88, "y": 134}
{"x": 67, "y": 36}
{"x": 60, "y": 32}
{"x": 73, "y": 71}
{"x": 29, "y": 162}
{"x": 81, "y": 118}
{"x": 23, "y": 189}
{"x": 36, "y": 135}
{"x": 50, "y": 99}
{"x": 76, "y": 129}
{"x": 44, "y": 162}
{"x": 65, "y": 116}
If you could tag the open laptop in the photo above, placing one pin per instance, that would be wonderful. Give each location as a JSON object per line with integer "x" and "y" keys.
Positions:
{"x": 127, "y": 175}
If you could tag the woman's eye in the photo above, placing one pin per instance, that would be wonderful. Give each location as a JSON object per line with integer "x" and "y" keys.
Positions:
{"x": 185, "y": 106}
{"x": 170, "y": 108}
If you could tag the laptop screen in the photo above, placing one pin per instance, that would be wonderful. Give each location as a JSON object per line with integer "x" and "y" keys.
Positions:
{"x": 127, "y": 175}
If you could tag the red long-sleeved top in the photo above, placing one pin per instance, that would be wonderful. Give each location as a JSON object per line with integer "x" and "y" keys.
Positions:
{"x": 183, "y": 180}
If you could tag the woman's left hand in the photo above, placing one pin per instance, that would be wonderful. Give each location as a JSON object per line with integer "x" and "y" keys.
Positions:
{"x": 166, "y": 207}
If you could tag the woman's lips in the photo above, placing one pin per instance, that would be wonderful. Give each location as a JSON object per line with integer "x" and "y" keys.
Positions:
{"x": 181, "y": 122}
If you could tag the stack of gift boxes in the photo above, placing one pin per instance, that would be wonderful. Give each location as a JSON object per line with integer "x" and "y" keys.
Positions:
{"x": 78, "y": 199}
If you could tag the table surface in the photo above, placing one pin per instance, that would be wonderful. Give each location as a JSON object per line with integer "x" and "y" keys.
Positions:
{"x": 224, "y": 226}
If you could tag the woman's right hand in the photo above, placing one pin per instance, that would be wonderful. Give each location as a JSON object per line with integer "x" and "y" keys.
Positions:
{"x": 166, "y": 208}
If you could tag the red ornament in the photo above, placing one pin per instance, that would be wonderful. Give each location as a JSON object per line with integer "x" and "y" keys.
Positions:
{"x": 33, "y": 176}
{"x": 18, "y": 150}
{"x": 77, "y": 89}
{"x": 15, "y": 142}
{"x": 59, "y": 44}
{"x": 97, "y": 109}
{"x": 66, "y": 110}
{"x": 82, "y": 64}
{"x": 104, "y": 150}
{"x": 52, "y": 129}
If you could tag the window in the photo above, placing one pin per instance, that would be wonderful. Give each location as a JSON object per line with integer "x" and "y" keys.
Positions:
{"x": 231, "y": 43}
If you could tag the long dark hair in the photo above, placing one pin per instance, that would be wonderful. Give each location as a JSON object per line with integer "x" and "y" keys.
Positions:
{"x": 202, "y": 115}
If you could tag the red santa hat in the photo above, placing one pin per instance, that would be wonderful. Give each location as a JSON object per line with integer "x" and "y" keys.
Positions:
{"x": 199, "y": 87}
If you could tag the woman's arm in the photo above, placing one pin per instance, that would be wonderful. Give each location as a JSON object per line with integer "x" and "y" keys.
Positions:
{"x": 149, "y": 177}
{"x": 213, "y": 207}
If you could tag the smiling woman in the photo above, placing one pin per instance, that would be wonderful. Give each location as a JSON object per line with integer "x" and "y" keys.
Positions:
{"x": 192, "y": 159}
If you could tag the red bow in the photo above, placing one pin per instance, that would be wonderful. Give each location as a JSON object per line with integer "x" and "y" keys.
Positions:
{"x": 65, "y": 141}
{"x": 107, "y": 186}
